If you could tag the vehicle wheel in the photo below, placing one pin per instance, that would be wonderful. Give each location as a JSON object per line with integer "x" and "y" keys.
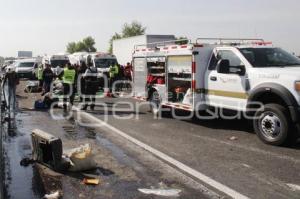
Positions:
{"x": 155, "y": 103}
{"x": 272, "y": 124}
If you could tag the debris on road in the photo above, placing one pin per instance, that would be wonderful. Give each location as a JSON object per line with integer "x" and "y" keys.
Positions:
{"x": 55, "y": 195}
{"x": 81, "y": 158}
{"x": 47, "y": 150}
{"x": 294, "y": 187}
{"x": 25, "y": 162}
{"x": 32, "y": 87}
{"x": 162, "y": 192}
{"x": 91, "y": 181}
{"x": 233, "y": 138}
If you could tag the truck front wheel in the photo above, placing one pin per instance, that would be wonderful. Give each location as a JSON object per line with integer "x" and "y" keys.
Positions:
{"x": 272, "y": 124}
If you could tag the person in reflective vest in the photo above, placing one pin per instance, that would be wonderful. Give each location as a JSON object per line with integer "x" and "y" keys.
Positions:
{"x": 113, "y": 74}
{"x": 69, "y": 77}
{"x": 39, "y": 75}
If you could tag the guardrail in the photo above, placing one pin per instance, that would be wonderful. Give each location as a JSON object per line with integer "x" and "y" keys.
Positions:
{"x": 2, "y": 164}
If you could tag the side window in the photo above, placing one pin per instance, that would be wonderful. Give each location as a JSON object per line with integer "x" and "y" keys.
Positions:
{"x": 213, "y": 62}
{"x": 234, "y": 60}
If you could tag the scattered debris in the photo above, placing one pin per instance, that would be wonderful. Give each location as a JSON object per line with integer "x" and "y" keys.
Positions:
{"x": 47, "y": 150}
{"x": 55, "y": 195}
{"x": 32, "y": 87}
{"x": 233, "y": 138}
{"x": 294, "y": 187}
{"x": 82, "y": 158}
{"x": 162, "y": 192}
{"x": 246, "y": 165}
{"x": 91, "y": 181}
{"x": 25, "y": 162}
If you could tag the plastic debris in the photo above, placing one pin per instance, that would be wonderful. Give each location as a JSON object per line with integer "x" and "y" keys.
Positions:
{"x": 54, "y": 195}
{"x": 91, "y": 181}
{"x": 294, "y": 187}
{"x": 233, "y": 138}
{"x": 81, "y": 158}
{"x": 162, "y": 192}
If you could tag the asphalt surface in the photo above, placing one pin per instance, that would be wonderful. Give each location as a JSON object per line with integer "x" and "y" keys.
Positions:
{"x": 122, "y": 170}
{"x": 225, "y": 150}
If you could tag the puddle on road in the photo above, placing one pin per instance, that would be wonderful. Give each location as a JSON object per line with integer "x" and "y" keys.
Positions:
{"x": 21, "y": 182}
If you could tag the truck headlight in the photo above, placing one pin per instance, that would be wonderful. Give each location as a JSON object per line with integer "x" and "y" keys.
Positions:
{"x": 297, "y": 86}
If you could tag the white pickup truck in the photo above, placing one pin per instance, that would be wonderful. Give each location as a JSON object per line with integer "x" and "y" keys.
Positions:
{"x": 249, "y": 76}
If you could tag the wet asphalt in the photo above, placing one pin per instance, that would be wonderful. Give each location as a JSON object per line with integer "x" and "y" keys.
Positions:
{"x": 244, "y": 163}
{"x": 122, "y": 170}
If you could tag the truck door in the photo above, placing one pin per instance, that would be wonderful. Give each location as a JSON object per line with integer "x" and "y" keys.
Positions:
{"x": 139, "y": 76}
{"x": 226, "y": 89}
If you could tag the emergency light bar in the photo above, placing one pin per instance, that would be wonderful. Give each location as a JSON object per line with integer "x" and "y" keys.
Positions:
{"x": 231, "y": 40}
{"x": 162, "y": 44}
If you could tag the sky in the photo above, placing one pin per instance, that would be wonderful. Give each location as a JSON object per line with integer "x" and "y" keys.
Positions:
{"x": 47, "y": 26}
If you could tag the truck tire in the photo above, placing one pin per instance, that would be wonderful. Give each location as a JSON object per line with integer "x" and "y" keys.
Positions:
{"x": 155, "y": 103}
{"x": 272, "y": 124}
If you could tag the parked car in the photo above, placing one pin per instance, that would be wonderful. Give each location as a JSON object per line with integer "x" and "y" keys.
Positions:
{"x": 25, "y": 68}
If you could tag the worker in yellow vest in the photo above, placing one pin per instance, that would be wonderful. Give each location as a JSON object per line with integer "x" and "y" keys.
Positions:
{"x": 69, "y": 78}
{"x": 39, "y": 75}
{"x": 113, "y": 74}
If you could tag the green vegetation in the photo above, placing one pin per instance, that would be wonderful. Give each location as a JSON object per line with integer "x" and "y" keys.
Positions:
{"x": 86, "y": 45}
{"x": 128, "y": 30}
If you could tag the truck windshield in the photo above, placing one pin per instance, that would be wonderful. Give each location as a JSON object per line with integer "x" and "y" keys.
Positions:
{"x": 60, "y": 63}
{"x": 26, "y": 64}
{"x": 104, "y": 63}
{"x": 269, "y": 57}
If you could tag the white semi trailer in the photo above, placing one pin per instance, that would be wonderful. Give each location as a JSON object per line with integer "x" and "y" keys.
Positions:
{"x": 124, "y": 48}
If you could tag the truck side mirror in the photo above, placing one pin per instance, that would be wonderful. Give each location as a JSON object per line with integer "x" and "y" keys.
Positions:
{"x": 223, "y": 66}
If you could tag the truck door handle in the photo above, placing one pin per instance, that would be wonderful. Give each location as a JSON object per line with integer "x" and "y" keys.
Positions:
{"x": 213, "y": 78}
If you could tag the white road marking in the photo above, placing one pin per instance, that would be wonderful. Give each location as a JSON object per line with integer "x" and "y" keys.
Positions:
{"x": 202, "y": 177}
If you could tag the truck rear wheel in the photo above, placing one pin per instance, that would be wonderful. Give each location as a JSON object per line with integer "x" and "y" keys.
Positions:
{"x": 272, "y": 124}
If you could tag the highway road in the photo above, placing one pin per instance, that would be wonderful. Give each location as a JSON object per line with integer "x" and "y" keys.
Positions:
{"x": 225, "y": 151}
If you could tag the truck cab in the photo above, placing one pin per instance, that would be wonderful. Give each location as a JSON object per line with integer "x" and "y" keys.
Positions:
{"x": 244, "y": 75}
{"x": 57, "y": 62}
{"x": 102, "y": 61}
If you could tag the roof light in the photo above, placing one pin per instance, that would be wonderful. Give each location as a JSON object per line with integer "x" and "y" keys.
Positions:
{"x": 262, "y": 43}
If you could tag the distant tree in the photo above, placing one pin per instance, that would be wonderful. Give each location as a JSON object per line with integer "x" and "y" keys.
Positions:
{"x": 128, "y": 30}
{"x": 71, "y": 47}
{"x": 86, "y": 45}
{"x": 133, "y": 29}
{"x": 183, "y": 41}
{"x": 89, "y": 44}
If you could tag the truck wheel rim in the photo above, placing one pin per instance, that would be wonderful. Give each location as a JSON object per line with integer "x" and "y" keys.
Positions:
{"x": 270, "y": 125}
